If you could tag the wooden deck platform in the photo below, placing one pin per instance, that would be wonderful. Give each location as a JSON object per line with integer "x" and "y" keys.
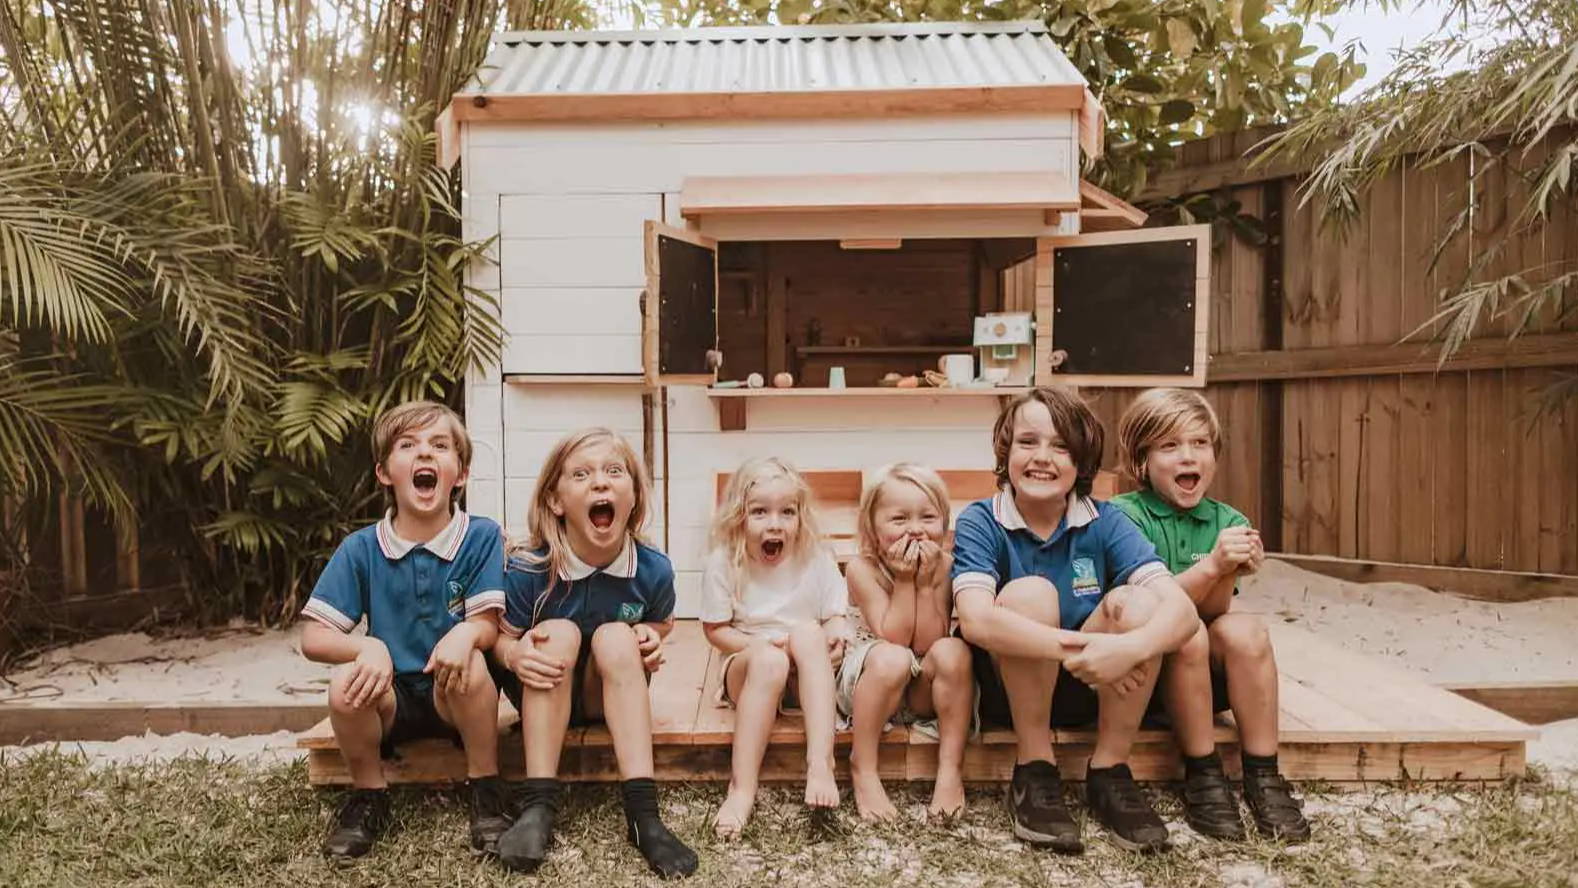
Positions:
{"x": 1345, "y": 718}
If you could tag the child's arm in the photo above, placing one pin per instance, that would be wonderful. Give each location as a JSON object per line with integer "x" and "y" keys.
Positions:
{"x": 933, "y": 602}
{"x": 450, "y": 661}
{"x": 535, "y": 669}
{"x": 373, "y": 672}
{"x": 1209, "y": 583}
{"x": 726, "y": 638}
{"x": 890, "y": 616}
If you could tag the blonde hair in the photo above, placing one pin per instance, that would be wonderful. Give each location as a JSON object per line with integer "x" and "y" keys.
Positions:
{"x": 545, "y": 530}
{"x": 930, "y": 484}
{"x": 1154, "y": 416}
{"x": 728, "y": 524}
{"x": 404, "y": 418}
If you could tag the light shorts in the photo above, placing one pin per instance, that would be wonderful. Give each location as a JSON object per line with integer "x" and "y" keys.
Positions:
{"x": 849, "y": 675}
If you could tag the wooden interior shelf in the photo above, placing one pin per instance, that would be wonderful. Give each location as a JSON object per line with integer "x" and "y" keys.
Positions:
{"x": 805, "y": 350}
{"x": 731, "y": 402}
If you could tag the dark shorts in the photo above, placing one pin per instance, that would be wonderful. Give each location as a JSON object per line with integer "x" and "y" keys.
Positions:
{"x": 1074, "y": 703}
{"x": 583, "y": 664}
{"x": 416, "y": 714}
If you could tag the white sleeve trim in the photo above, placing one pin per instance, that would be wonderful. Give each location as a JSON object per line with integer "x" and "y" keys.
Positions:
{"x": 1148, "y": 571}
{"x": 327, "y": 614}
{"x": 974, "y": 579}
{"x": 509, "y": 628}
{"x": 482, "y": 602}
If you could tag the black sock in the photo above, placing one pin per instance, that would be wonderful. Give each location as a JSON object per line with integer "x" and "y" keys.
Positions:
{"x": 1210, "y": 763}
{"x": 664, "y": 852}
{"x": 1264, "y": 764}
{"x": 540, "y": 791}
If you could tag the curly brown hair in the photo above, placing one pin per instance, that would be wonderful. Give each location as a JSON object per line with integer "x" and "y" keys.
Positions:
{"x": 1071, "y": 416}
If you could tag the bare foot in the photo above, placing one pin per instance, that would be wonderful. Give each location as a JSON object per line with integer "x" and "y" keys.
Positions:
{"x": 733, "y": 813}
{"x": 821, "y": 790}
{"x": 871, "y": 800}
{"x": 947, "y": 797}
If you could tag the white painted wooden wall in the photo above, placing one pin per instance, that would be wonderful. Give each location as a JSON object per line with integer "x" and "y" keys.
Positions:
{"x": 569, "y": 200}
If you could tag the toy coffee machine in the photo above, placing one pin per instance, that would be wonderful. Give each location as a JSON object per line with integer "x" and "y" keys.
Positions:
{"x": 1003, "y": 340}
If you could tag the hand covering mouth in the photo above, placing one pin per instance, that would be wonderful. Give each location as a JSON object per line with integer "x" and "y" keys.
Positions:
{"x": 602, "y": 514}
{"x": 425, "y": 479}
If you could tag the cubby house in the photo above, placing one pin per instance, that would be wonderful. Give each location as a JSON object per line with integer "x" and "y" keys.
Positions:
{"x": 795, "y": 199}
{"x": 873, "y": 198}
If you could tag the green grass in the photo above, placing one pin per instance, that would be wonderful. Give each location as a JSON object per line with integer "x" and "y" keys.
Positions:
{"x": 201, "y": 822}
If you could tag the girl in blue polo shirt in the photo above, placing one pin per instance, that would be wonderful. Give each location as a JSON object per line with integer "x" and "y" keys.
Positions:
{"x": 587, "y": 605}
{"x": 1071, "y": 611}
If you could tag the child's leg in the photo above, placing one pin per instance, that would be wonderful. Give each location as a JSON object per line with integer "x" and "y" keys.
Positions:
{"x": 616, "y": 691}
{"x": 359, "y": 732}
{"x": 545, "y": 715}
{"x": 818, "y": 700}
{"x": 1241, "y": 644}
{"x": 945, "y": 687}
{"x": 1124, "y": 609}
{"x": 883, "y": 675}
{"x": 474, "y": 711}
{"x": 755, "y": 682}
{"x": 1186, "y": 691}
{"x": 1028, "y": 683}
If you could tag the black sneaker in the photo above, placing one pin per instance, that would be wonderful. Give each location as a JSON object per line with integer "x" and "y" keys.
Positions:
{"x": 1120, "y": 805}
{"x": 1035, "y": 805}
{"x": 362, "y": 818}
{"x": 1209, "y": 806}
{"x": 490, "y": 813}
{"x": 1278, "y": 815}
{"x": 524, "y": 846}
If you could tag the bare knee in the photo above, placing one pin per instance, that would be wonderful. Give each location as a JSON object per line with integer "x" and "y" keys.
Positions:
{"x": 766, "y": 663}
{"x": 887, "y": 664}
{"x": 563, "y": 638}
{"x": 1033, "y": 597}
{"x": 1196, "y": 650}
{"x": 478, "y": 682}
{"x": 339, "y": 684}
{"x": 1127, "y": 608}
{"x": 614, "y": 648}
{"x": 1240, "y": 637}
{"x": 949, "y": 658}
{"x": 807, "y": 635}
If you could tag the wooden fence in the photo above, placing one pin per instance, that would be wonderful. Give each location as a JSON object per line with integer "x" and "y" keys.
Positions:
{"x": 1339, "y": 440}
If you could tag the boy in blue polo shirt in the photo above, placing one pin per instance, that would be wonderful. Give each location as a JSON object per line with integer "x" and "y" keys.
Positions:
{"x": 429, "y": 580}
{"x": 1070, "y": 612}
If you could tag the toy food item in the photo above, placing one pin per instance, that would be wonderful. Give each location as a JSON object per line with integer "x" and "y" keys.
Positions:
{"x": 908, "y": 382}
{"x": 755, "y": 381}
{"x": 937, "y": 379}
{"x": 783, "y": 380}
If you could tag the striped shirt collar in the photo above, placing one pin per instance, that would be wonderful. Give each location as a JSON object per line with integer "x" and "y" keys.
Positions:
{"x": 1080, "y": 510}
{"x": 623, "y": 565}
{"x": 445, "y": 545}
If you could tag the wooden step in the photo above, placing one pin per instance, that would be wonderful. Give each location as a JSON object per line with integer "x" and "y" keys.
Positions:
{"x": 1345, "y": 718}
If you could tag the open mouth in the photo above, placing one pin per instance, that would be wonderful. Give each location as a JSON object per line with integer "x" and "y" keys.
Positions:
{"x": 1043, "y": 477}
{"x": 425, "y": 480}
{"x": 1188, "y": 481}
{"x": 771, "y": 549}
{"x": 601, "y": 514}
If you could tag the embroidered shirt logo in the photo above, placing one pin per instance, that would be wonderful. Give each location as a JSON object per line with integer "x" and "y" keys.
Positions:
{"x": 629, "y": 612}
{"x": 1085, "y": 582}
{"x": 457, "y": 598}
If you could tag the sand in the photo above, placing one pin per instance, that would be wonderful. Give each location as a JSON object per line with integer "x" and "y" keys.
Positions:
{"x": 1444, "y": 638}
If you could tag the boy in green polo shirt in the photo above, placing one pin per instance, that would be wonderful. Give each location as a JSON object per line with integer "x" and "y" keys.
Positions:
{"x": 1169, "y": 440}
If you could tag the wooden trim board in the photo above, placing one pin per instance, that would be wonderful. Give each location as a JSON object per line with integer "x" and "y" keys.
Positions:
{"x": 1484, "y": 585}
{"x": 478, "y": 107}
{"x": 1534, "y": 702}
{"x": 894, "y": 192}
{"x": 1528, "y": 351}
{"x": 45, "y": 720}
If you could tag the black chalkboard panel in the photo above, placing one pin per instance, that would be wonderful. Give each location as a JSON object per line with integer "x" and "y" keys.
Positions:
{"x": 687, "y": 306}
{"x": 1125, "y": 309}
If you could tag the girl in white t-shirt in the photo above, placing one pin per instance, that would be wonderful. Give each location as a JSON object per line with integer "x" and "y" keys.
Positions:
{"x": 773, "y": 604}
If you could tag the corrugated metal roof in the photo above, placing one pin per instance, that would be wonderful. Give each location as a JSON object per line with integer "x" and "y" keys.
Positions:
{"x": 774, "y": 59}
